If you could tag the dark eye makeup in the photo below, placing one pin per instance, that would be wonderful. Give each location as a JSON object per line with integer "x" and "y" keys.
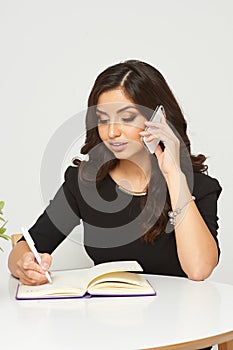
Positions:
{"x": 129, "y": 119}
{"x": 125, "y": 119}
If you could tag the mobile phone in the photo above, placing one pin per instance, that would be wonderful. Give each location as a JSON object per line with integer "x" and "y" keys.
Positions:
{"x": 156, "y": 117}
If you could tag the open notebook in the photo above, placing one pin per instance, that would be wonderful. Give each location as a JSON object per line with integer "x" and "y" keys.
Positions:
{"x": 107, "y": 279}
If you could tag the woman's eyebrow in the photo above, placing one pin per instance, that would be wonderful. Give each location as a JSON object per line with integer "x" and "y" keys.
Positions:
{"x": 126, "y": 107}
{"x": 118, "y": 111}
{"x": 101, "y": 112}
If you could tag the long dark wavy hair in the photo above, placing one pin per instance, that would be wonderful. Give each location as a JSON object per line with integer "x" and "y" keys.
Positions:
{"x": 146, "y": 87}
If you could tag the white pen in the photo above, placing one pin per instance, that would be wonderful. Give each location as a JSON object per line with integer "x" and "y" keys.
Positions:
{"x": 31, "y": 245}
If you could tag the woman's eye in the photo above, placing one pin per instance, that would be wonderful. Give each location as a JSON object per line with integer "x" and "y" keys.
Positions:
{"x": 103, "y": 121}
{"x": 129, "y": 119}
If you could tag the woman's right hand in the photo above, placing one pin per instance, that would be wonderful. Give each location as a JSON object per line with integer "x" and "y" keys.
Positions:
{"x": 30, "y": 272}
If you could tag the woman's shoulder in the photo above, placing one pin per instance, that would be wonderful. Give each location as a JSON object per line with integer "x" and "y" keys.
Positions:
{"x": 71, "y": 172}
{"x": 71, "y": 178}
{"x": 205, "y": 184}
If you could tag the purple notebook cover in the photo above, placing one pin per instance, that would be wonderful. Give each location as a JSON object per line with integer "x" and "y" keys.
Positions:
{"x": 86, "y": 296}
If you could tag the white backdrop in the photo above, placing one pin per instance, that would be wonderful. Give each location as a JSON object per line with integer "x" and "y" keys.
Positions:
{"x": 51, "y": 52}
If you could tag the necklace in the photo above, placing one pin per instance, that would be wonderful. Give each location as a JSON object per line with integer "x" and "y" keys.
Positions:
{"x": 132, "y": 193}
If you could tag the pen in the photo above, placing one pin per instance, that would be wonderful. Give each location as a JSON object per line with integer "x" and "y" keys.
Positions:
{"x": 31, "y": 245}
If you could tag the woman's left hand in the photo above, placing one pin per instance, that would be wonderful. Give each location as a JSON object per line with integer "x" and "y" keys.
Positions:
{"x": 169, "y": 158}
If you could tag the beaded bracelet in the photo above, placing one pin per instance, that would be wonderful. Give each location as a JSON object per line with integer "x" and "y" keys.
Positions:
{"x": 172, "y": 214}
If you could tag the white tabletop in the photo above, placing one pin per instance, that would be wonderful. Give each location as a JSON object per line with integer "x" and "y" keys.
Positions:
{"x": 182, "y": 311}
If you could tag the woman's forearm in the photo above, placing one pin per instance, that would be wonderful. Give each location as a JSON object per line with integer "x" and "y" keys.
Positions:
{"x": 196, "y": 247}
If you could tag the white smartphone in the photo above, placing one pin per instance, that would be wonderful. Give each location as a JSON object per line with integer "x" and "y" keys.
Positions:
{"x": 156, "y": 117}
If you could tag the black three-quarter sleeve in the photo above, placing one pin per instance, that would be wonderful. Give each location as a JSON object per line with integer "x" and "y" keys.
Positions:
{"x": 206, "y": 191}
{"x": 60, "y": 217}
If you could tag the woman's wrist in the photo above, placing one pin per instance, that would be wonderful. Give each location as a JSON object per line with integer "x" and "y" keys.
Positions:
{"x": 175, "y": 178}
{"x": 178, "y": 189}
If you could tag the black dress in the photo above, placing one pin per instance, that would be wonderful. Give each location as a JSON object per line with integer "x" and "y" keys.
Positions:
{"x": 112, "y": 227}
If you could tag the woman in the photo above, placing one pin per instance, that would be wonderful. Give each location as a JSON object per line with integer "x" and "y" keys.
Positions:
{"x": 159, "y": 209}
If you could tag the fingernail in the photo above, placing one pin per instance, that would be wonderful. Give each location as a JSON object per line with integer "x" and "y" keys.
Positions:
{"x": 44, "y": 266}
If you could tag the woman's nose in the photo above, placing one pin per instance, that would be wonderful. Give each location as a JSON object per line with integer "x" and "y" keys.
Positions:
{"x": 114, "y": 130}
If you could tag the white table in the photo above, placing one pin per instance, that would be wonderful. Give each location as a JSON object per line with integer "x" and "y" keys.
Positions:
{"x": 183, "y": 315}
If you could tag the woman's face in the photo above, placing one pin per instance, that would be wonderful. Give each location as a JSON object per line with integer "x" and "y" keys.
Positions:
{"x": 119, "y": 124}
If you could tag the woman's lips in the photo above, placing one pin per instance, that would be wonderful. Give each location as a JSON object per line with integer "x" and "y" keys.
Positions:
{"x": 118, "y": 146}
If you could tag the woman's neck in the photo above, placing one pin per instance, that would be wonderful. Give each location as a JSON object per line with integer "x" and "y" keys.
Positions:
{"x": 132, "y": 175}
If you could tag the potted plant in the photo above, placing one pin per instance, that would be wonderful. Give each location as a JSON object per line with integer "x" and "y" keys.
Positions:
{"x": 2, "y": 224}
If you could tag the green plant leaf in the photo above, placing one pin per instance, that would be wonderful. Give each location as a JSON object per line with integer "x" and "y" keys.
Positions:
{"x": 5, "y": 222}
{"x": 2, "y": 230}
{"x": 6, "y": 237}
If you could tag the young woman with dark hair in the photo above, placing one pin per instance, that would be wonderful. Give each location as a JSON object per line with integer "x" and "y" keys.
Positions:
{"x": 159, "y": 209}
